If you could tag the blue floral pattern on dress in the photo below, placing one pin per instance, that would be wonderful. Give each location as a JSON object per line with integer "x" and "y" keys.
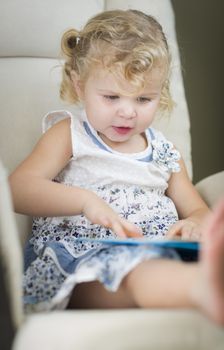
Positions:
{"x": 42, "y": 281}
{"x": 165, "y": 155}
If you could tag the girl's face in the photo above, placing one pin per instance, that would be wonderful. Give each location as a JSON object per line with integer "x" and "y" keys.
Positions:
{"x": 120, "y": 118}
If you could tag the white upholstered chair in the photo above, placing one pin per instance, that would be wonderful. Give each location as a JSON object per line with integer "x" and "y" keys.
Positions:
{"x": 30, "y": 34}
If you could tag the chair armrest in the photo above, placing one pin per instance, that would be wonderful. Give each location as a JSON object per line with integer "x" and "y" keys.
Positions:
{"x": 211, "y": 188}
{"x": 10, "y": 250}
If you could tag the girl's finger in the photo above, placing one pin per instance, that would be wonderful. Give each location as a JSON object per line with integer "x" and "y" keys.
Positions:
{"x": 131, "y": 229}
{"x": 118, "y": 229}
{"x": 186, "y": 233}
{"x": 175, "y": 230}
{"x": 104, "y": 221}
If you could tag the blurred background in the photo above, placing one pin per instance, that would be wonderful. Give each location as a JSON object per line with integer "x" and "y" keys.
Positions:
{"x": 200, "y": 34}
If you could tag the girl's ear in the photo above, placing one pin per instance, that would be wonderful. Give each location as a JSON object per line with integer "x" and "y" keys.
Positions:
{"x": 76, "y": 81}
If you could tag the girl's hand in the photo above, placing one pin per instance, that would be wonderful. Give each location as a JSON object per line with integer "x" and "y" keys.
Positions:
{"x": 186, "y": 230}
{"x": 99, "y": 212}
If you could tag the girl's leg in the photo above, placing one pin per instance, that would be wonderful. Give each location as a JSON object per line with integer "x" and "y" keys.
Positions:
{"x": 163, "y": 284}
{"x": 153, "y": 283}
{"x": 93, "y": 295}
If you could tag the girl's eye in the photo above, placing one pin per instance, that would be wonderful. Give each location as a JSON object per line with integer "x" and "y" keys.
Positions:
{"x": 111, "y": 97}
{"x": 143, "y": 99}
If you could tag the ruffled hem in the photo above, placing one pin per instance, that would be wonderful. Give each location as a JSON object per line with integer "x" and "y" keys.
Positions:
{"x": 48, "y": 284}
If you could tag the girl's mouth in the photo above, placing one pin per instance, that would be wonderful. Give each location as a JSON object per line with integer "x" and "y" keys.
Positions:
{"x": 122, "y": 130}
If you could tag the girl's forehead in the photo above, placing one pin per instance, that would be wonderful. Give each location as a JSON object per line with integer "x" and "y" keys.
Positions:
{"x": 106, "y": 80}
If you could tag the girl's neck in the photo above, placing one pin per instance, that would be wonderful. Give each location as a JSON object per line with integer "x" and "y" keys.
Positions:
{"x": 136, "y": 144}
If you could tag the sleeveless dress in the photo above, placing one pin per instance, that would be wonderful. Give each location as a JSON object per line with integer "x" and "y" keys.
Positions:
{"x": 134, "y": 185}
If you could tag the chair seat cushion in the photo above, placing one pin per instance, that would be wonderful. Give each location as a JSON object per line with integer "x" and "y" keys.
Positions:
{"x": 119, "y": 329}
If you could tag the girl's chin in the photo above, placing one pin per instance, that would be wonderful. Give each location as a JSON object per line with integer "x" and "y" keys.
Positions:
{"x": 113, "y": 139}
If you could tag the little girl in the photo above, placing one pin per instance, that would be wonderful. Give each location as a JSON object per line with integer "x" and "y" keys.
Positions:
{"x": 105, "y": 173}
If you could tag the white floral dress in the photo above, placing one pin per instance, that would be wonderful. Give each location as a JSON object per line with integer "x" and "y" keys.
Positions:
{"x": 134, "y": 185}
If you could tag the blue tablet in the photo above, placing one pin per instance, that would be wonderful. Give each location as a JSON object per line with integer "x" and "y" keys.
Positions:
{"x": 187, "y": 250}
{"x": 189, "y": 245}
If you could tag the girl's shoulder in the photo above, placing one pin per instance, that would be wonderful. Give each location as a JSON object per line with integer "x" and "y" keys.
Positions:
{"x": 67, "y": 124}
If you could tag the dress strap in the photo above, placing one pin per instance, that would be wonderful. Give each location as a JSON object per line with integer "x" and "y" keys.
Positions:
{"x": 151, "y": 133}
{"x": 54, "y": 117}
{"x": 94, "y": 138}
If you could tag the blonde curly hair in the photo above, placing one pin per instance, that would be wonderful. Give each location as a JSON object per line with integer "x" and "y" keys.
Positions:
{"x": 129, "y": 44}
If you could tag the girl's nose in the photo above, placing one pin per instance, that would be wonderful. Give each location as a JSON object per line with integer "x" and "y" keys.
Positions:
{"x": 127, "y": 110}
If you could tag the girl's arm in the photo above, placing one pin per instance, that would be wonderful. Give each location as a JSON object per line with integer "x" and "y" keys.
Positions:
{"x": 34, "y": 193}
{"x": 191, "y": 208}
{"x": 33, "y": 190}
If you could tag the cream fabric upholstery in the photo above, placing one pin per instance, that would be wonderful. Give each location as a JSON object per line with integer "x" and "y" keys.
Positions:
{"x": 36, "y": 27}
{"x": 10, "y": 249}
{"x": 30, "y": 74}
{"x": 212, "y": 188}
{"x": 120, "y": 330}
